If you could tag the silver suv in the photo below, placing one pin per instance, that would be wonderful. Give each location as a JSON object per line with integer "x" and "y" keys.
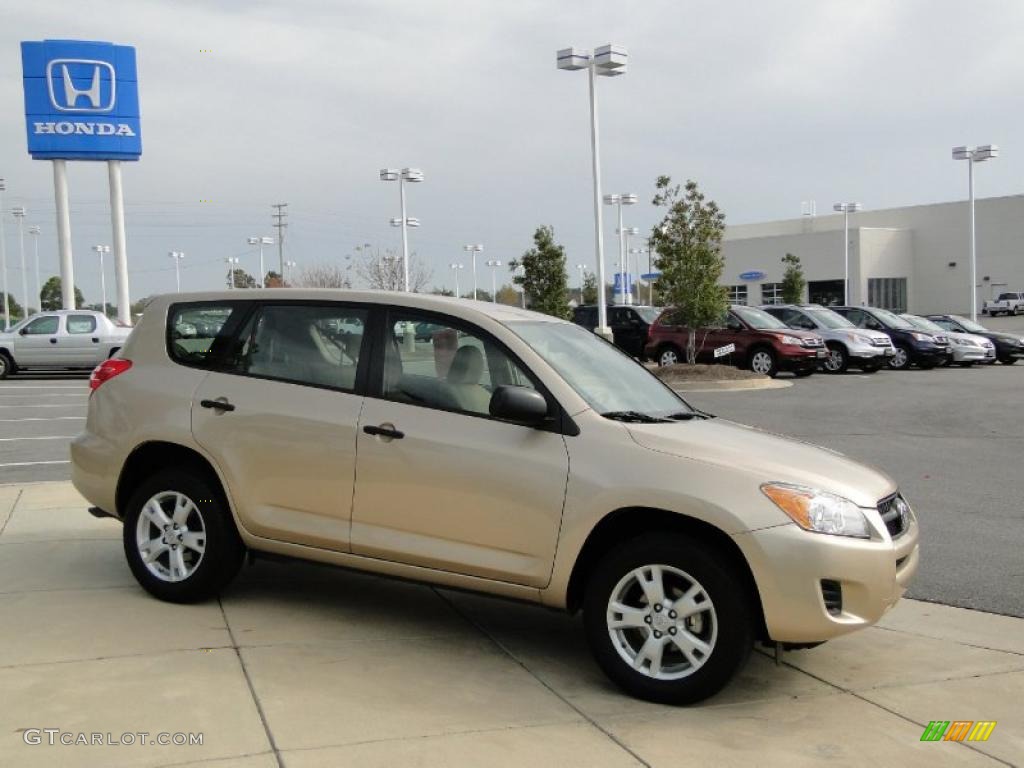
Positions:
{"x": 847, "y": 344}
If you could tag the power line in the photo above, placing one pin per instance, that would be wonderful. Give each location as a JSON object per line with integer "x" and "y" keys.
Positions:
{"x": 281, "y": 224}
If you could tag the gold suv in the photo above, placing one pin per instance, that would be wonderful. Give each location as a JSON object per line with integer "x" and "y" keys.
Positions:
{"x": 483, "y": 447}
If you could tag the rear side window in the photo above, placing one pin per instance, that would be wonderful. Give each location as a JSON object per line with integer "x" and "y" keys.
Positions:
{"x": 197, "y": 332}
{"x": 81, "y": 323}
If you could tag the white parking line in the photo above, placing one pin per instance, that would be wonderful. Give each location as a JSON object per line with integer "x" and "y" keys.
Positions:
{"x": 44, "y": 437}
{"x": 33, "y": 463}
{"x": 45, "y": 418}
{"x": 3, "y": 387}
{"x": 50, "y": 405}
{"x": 80, "y": 394}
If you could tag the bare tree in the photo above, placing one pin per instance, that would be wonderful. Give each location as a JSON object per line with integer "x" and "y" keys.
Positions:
{"x": 382, "y": 270}
{"x": 323, "y": 276}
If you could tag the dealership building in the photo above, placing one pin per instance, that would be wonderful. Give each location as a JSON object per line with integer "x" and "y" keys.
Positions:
{"x": 914, "y": 259}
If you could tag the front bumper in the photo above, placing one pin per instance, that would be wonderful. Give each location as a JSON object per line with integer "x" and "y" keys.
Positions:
{"x": 802, "y": 358}
{"x": 789, "y": 565}
{"x": 972, "y": 354}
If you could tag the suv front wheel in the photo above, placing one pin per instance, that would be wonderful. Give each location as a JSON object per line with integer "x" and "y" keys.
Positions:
{"x": 666, "y": 621}
{"x": 179, "y": 538}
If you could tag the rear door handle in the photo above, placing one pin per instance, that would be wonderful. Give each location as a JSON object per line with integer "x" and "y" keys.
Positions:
{"x": 386, "y": 431}
{"x": 53, "y": 341}
{"x": 217, "y": 405}
{"x": 95, "y": 340}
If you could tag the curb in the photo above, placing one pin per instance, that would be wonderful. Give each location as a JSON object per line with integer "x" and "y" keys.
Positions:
{"x": 731, "y": 386}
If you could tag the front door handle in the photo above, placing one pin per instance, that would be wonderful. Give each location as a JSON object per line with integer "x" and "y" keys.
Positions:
{"x": 387, "y": 431}
{"x": 217, "y": 405}
{"x": 53, "y": 341}
{"x": 95, "y": 340}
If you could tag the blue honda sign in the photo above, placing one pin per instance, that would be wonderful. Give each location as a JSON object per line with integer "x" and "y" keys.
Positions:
{"x": 81, "y": 100}
{"x": 753, "y": 275}
{"x": 617, "y": 288}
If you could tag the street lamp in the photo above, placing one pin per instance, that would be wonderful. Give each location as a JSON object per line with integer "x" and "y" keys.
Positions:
{"x": 522, "y": 294}
{"x": 619, "y": 201}
{"x": 607, "y": 61}
{"x": 629, "y": 232}
{"x": 473, "y": 250}
{"x": 494, "y": 264}
{"x": 101, "y": 250}
{"x": 974, "y": 155}
{"x": 455, "y": 267}
{"x": 261, "y": 241}
{"x": 19, "y": 214}
{"x": 34, "y": 231}
{"x": 3, "y": 259}
{"x": 846, "y": 209}
{"x": 413, "y": 176}
{"x": 231, "y": 261}
{"x": 178, "y": 256}
{"x": 288, "y": 265}
{"x": 638, "y": 252}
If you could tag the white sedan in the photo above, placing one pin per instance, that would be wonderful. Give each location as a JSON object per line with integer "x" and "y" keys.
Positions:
{"x": 61, "y": 340}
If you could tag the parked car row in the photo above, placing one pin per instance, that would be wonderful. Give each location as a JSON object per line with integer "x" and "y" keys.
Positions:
{"x": 808, "y": 337}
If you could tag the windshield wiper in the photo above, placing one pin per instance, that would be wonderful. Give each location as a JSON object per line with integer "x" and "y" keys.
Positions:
{"x": 635, "y": 417}
{"x": 686, "y": 415}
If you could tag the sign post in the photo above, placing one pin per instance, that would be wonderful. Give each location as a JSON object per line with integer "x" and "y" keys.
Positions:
{"x": 82, "y": 103}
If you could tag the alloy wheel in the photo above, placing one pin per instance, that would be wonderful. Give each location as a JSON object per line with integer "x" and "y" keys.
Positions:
{"x": 668, "y": 357}
{"x": 662, "y": 622}
{"x": 171, "y": 536}
{"x": 900, "y": 359}
{"x": 834, "y": 361}
{"x": 761, "y": 362}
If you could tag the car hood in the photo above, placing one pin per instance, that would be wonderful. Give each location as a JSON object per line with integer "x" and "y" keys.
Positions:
{"x": 1006, "y": 337}
{"x": 979, "y": 340}
{"x": 770, "y": 458}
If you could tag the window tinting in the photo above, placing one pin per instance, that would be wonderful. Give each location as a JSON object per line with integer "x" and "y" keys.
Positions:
{"x": 43, "y": 326}
{"x": 81, "y": 323}
{"x": 450, "y": 368}
{"x": 196, "y": 329}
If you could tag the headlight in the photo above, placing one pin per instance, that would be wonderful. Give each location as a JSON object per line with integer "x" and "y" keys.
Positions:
{"x": 818, "y": 511}
{"x": 923, "y": 337}
{"x": 793, "y": 340}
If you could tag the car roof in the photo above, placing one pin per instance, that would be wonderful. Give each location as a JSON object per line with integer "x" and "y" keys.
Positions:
{"x": 68, "y": 312}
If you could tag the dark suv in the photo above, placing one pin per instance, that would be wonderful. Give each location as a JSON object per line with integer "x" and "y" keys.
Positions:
{"x": 630, "y": 325}
{"x": 1009, "y": 346}
{"x": 913, "y": 346}
{"x": 763, "y": 343}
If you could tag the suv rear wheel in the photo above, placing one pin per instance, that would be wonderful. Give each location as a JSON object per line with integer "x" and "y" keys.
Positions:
{"x": 670, "y": 354}
{"x": 6, "y": 365}
{"x": 179, "y": 538}
{"x": 666, "y": 620}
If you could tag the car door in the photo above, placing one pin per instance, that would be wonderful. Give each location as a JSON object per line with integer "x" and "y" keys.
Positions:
{"x": 278, "y": 414}
{"x": 38, "y": 343}
{"x": 629, "y": 331}
{"x": 441, "y": 484}
{"x": 81, "y": 340}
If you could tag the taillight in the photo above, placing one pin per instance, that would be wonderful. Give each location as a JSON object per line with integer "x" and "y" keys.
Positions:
{"x": 107, "y": 370}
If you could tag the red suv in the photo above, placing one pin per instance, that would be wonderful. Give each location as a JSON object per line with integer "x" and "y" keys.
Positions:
{"x": 763, "y": 343}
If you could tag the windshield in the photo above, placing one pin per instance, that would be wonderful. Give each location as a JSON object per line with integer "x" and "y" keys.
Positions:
{"x": 607, "y": 379}
{"x": 758, "y": 319}
{"x": 968, "y": 325}
{"x": 924, "y": 324}
{"x": 829, "y": 319}
{"x": 894, "y": 321}
{"x": 649, "y": 314}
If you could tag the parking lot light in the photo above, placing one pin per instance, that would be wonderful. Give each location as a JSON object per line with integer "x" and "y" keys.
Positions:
{"x": 974, "y": 155}
{"x": 3, "y": 259}
{"x": 34, "y": 231}
{"x": 413, "y": 176}
{"x": 619, "y": 201}
{"x": 101, "y": 250}
{"x": 289, "y": 267}
{"x": 494, "y": 264}
{"x": 261, "y": 241}
{"x": 473, "y": 250}
{"x": 231, "y": 261}
{"x": 846, "y": 209}
{"x": 19, "y": 214}
{"x": 456, "y": 267}
{"x": 177, "y": 256}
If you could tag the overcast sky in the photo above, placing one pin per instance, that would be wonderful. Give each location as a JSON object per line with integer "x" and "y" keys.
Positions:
{"x": 765, "y": 104}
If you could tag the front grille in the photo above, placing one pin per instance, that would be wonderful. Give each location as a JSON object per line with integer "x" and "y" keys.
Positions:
{"x": 832, "y": 594}
{"x": 895, "y": 522}
{"x": 881, "y": 342}
{"x": 815, "y": 342}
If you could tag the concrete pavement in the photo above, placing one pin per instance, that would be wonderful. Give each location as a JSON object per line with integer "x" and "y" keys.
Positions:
{"x": 300, "y": 665}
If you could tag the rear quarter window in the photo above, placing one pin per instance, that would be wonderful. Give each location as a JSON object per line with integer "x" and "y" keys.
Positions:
{"x": 197, "y": 333}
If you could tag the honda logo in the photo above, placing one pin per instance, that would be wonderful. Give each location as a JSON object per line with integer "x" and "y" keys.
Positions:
{"x": 91, "y": 94}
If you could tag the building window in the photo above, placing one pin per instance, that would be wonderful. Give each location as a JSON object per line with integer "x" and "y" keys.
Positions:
{"x": 888, "y": 293}
{"x": 771, "y": 293}
{"x": 737, "y": 294}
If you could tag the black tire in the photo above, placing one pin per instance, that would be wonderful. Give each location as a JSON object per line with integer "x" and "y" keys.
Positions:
{"x": 966, "y": 363}
{"x": 871, "y": 368}
{"x": 768, "y": 366}
{"x": 666, "y": 352}
{"x": 1007, "y": 360}
{"x": 7, "y": 366}
{"x": 729, "y": 624}
{"x": 901, "y": 360}
{"x": 838, "y": 359}
{"x": 927, "y": 365}
{"x": 804, "y": 373}
{"x": 223, "y": 549}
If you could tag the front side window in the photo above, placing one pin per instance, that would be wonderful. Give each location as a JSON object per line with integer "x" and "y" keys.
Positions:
{"x": 314, "y": 344}
{"x": 81, "y": 323}
{"x": 196, "y": 331}
{"x": 43, "y": 326}
{"x": 453, "y": 368}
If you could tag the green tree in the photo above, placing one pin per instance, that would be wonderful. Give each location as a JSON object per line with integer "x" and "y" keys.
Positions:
{"x": 544, "y": 277}
{"x": 793, "y": 282}
{"x": 688, "y": 241}
{"x": 242, "y": 279}
{"x": 50, "y": 295}
{"x": 15, "y": 308}
{"x": 589, "y": 288}
{"x": 508, "y": 295}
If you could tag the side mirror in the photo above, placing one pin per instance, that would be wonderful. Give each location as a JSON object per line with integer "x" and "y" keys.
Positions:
{"x": 521, "y": 404}
{"x": 732, "y": 325}
{"x": 23, "y": 332}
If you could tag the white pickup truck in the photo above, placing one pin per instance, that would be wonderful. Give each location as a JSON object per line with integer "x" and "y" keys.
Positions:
{"x": 1007, "y": 304}
{"x": 64, "y": 340}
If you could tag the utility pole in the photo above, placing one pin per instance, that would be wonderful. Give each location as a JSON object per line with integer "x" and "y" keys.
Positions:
{"x": 279, "y": 221}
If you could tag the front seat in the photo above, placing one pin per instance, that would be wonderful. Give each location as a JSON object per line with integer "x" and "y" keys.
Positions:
{"x": 464, "y": 377}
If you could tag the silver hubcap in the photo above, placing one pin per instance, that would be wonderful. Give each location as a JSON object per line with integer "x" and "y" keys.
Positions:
{"x": 669, "y": 357}
{"x": 900, "y": 358}
{"x": 662, "y": 622}
{"x": 761, "y": 362}
{"x": 171, "y": 536}
{"x": 834, "y": 361}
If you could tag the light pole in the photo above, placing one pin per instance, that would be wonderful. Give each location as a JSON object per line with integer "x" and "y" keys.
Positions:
{"x": 231, "y": 261}
{"x": 455, "y": 267}
{"x": 177, "y": 256}
{"x": 34, "y": 231}
{"x": 473, "y": 250}
{"x": 3, "y": 259}
{"x": 101, "y": 250}
{"x": 19, "y": 214}
{"x": 630, "y": 277}
{"x": 288, "y": 266}
{"x": 522, "y": 293}
{"x": 974, "y": 155}
{"x": 621, "y": 200}
{"x": 494, "y": 264}
{"x": 413, "y": 176}
{"x": 607, "y": 61}
{"x": 261, "y": 241}
{"x": 638, "y": 252}
{"x": 846, "y": 209}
